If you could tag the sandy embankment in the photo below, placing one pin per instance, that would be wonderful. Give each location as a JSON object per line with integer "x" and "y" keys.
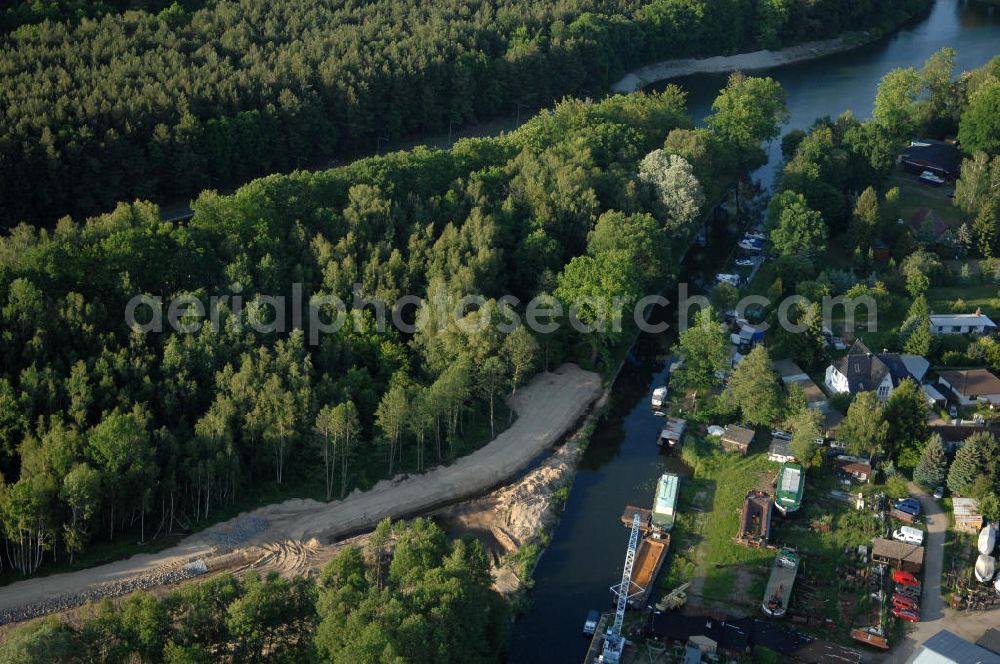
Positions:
{"x": 668, "y": 69}
{"x": 286, "y": 533}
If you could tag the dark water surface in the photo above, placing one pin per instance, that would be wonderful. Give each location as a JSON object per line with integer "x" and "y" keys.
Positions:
{"x": 622, "y": 463}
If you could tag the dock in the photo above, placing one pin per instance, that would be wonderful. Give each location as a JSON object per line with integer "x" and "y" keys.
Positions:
{"x": 597, "y": 643}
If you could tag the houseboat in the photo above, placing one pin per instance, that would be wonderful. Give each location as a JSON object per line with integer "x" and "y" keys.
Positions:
{"x": 672, "y": 432}
{"x": 779, "y": 585}
{"x": 665, "y": 501}
{"x": 791, "y": 484}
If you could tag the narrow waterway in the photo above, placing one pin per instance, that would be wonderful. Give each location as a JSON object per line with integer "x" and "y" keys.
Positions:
{"x": 622, "y": 463}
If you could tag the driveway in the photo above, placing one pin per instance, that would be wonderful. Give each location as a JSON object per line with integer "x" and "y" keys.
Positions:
{"x": 934, "y": 615}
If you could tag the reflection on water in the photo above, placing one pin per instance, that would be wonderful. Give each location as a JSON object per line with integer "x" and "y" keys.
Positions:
{"x": 623, "y": 461}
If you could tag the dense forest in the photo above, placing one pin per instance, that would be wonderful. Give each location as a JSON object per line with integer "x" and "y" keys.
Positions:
{"x": 137, "y": 104}
{"x": 104, "y": 429}
{"x": 409, "y": 595}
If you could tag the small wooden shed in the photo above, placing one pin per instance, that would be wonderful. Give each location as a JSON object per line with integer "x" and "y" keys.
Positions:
{"x": 968, "y": 518}
{"x": 900, "y": 555}
{"x": 737, "y": 439}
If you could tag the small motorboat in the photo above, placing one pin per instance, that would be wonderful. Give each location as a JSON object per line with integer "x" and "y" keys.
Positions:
{"x": 930, "y": 178}
{"x": 985, "y": 568}
{"x": 751, "y": 245}
{"x": 590, "y": 624}
{"x": 987, "y": 540}
{"x": 659, "y": 399}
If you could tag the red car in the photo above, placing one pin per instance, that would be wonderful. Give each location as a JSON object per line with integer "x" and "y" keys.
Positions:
{"x": 905, "y": 578}
{"x": 904, "y": 602}
{"x": 906, "y": 614}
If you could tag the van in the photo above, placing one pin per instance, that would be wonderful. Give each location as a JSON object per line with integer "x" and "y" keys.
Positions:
{"x": 909, "y": 535}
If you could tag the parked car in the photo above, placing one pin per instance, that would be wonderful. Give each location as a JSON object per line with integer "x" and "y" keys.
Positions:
{"x": 909, "y": 535}
{"x": 906, "y": 614}
{"x": 912, "y": 592}
{"x": 905, "y": 578}
{"x": 905, "y": 602}
{"x": 910, "y": 505}
{"x": 780, "y": 434}
{"x": 952, "y": 410}
{"x": 905, "y": 517}
{"x": 939, "y": 493}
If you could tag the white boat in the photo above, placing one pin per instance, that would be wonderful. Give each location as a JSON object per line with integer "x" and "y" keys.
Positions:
{"x": 931, "y": 178}
{"x": 997, "y": 585}
{"x": 985, "y": 568}
{"x": 750, "y": 245}
{"x": 987, "y": 540}
{"x": 659, "y": 399}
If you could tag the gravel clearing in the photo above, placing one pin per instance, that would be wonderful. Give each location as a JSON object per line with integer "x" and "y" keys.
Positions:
{"x": 547, "y": 408}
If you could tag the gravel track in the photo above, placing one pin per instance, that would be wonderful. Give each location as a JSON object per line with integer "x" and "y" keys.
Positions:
{"x": 288, "y": 533}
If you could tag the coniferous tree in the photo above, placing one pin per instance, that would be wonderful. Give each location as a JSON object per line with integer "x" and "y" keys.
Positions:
{"x": 932, "y": 470}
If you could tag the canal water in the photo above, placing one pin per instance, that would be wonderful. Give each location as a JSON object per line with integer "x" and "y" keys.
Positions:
{"x": 622, "y": 462}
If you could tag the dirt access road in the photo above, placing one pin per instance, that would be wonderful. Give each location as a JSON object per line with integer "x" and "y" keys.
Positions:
{"x": 547, "y": 408}
{"x": 934, "y": 615}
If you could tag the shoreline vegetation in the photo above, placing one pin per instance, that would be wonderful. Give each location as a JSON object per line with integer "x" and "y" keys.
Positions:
{"x": 117, "y": 108}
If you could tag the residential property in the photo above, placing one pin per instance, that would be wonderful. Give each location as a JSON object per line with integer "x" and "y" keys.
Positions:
{"x": 968, "y": 518}
{"x": 934, "y": 397}
{"x": 792, "y": 374}
{"x": 953, "y": 436}
{"x": 948, "y": 648}
{"x": 901, "y": 555}
{"x": 976, "y": 323}
{"x": 737, "y": 439}
{"x": 854, "y": 468}
{"x": 928, "y": 227}
{"x": 942, "y": 159}
{"x": 780, "y": 451}
{"x": 863, "y": 371}
{"x": 971, "y": 386}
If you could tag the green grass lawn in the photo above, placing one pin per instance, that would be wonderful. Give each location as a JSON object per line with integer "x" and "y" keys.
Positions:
{"x": 975, "y": 294}
{"x": 914, "y": 195}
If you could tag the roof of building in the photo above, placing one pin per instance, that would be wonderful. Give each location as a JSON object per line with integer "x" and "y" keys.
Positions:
{"x": 971, "y": 382}
{"x": 893, "y": 550}
{"x": 990, "y": 640}
{"x": 957, "y": 433}
{"x": 781, "y": 447}
{"x": 924, "y": 218}
{"x": 977, "y": 319}
{"x": 932, "y": 392}
{"x": 945, "y": 156}
{"x": 966, "y": 507}
{"x": 948, "y": 648}
{"x": 866, "y": 370}
{"x": 791, "y": 373}
{"x": 737, "y": 435}
{"x": 853, "y": 466}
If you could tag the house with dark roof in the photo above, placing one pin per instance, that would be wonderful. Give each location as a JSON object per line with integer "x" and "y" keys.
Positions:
{"x": 942, "y": 159}
{"x": 864, "y": 371}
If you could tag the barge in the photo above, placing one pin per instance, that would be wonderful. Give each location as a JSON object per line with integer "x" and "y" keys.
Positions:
{"x": 779, "y": 585}
{"x": 755, "y": 519}
{"x": 791, "y": 485}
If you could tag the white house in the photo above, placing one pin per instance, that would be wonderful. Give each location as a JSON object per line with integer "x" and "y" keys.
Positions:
{"x": 972, "y": 385}
{"x": 976, "y": 323}
{"x": 864, "y": 371}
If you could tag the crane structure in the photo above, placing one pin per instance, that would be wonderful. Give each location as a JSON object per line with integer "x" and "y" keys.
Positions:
{"x": 614, "y": 642}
